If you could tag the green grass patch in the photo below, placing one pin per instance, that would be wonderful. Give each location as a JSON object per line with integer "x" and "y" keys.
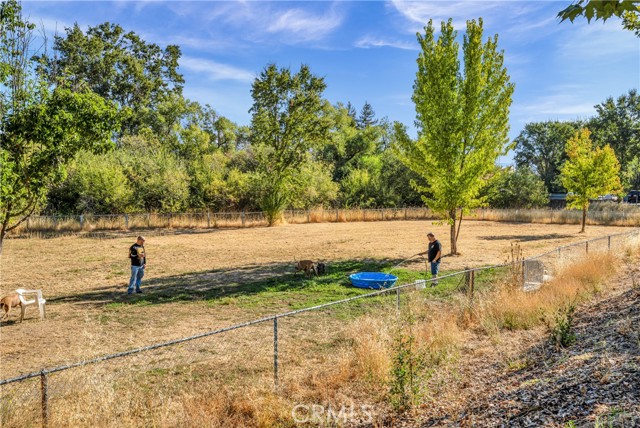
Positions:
{"x": 292, "y": 292}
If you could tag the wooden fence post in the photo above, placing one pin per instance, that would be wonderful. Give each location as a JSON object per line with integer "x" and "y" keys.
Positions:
{"x": 275, "y": 353}
{"x": 44, "y": 390}
{"x": 470, "y": 283}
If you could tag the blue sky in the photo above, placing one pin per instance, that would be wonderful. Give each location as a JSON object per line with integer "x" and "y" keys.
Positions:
{"x": 366, "y": 50}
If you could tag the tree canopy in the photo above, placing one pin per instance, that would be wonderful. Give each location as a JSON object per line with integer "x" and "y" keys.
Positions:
{"x": 288, "y": 121}
{"x": 117, "y": 65}
{"x": 462, "y": 119}
{"x": 589, "y": 172}
{"x": 541, "y": 147}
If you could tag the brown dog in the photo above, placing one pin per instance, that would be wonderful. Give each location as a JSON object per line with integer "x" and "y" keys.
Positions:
{"x": 308, "y": 266}
{"x": 8, "y": 302}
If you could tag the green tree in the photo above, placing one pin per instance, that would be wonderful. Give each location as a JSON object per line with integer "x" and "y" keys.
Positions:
{"x": 589, "y": 172}
{"x": 631, "y": 22}
{"x": 119, "y": 66}
{"x": 618, "y": 124}
{"x": 462, "y": 119}
{"x": 540, "y": 146}
{"x": 289, "y": 119}
{"x": 631, "y": 174}
{"x": 367, "y": 116}
{"x": 41, "y": 129}
{"x": 598, "y": 9}
{"x": 520, "y": 188}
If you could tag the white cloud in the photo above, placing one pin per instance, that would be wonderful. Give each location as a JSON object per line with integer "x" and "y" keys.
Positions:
{"x": 564, "y": 102}
{"x": 597, "y": 41}
{"x": 421, "y": 12}
{"x": 304, "y": 25}
{"x": 263, "y": 21}
{"x": 368, "y": 41}
{"x": 215, "y": 70}
{"x": 51, "y": 25}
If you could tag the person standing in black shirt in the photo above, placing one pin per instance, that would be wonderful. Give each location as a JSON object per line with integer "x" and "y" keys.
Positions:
{"x": 434, "y": 255}
{"x": 138, "y": 258}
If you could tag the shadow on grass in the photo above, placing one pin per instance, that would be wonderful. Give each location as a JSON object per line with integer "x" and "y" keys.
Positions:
{"x": 254, "y": 285}
{"x": 268, "y": 288}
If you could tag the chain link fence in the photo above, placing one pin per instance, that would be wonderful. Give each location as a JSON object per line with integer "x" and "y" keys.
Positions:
{"x": 210, "y": 219}
{"x": 160, "y": 384}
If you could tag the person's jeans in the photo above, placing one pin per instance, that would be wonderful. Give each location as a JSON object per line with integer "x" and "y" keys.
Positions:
{"x": 137, "y": 272}
{"x": 435, "y": 267}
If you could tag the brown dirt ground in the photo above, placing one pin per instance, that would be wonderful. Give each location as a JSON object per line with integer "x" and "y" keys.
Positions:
{"x": 81, "y": 275}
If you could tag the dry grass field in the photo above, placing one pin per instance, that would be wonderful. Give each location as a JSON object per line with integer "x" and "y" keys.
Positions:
{"x": 198, "y": 281}
{"x": 84, "y": 278}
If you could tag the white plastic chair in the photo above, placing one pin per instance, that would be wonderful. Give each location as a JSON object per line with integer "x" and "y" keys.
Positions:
{"x": 37, "y": 300}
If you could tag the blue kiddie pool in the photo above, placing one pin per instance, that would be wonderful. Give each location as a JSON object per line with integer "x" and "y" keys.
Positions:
{"x": 373, "y": 280}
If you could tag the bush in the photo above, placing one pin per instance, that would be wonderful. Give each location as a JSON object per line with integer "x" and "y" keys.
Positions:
{"x": 517, "y": 189}
{"x": 95, "y": 184}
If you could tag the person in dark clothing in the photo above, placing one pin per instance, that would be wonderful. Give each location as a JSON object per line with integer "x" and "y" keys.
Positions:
{"x": 138, "y": 258}
{"x": 434, "y": 255}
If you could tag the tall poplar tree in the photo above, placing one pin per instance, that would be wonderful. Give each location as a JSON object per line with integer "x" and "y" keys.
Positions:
{"x": 589, "y": 172}
{"x": 462, "y": 120}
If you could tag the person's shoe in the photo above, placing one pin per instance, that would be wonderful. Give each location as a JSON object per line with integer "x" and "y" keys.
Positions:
{"x": 129, "y": 291}
{"x": 138, "y": 291}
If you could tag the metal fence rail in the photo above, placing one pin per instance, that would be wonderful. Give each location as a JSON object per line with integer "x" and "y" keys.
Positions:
{"x": 530, "y": 270}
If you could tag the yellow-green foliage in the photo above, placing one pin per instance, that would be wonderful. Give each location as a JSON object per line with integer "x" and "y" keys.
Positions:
{"x": 589, "y": 172}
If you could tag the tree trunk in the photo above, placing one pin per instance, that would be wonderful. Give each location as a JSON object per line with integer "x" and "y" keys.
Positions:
{"x": 584, "y": 218}
{"x": 3, "y": 226}
{"x": 454, "y": 248}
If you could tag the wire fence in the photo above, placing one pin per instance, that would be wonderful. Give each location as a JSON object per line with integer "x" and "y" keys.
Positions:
{"x": 627, "y": 215}
{"x": 157, "y": 385}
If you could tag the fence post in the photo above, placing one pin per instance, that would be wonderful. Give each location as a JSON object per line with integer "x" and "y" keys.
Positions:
{"x": 126, "y": 221}
{"x": 337, "y": 214}
{"x": 524, "y": 268}
{"x": 275, "y": 353}
{"x": 470, "y": 282}
{"x": 44, "y": 389}
{"x": 169, "y": 221}
{"x": 208, "y": 219}
{"x": 397, "y": 298}
{"x": 308, "y": 216}
{"x": 81, "y": 221}
{"x": 405, "y": 213}
{"x": 609, "y": 242}
{"x": 242, "y": 217}
{"x": 149, "y": 221}
{"x": 586, "y": 247}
